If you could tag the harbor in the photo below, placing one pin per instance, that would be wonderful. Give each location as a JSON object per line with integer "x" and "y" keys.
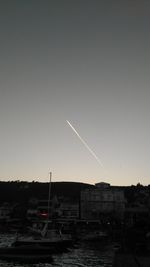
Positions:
{"x": 82, "y": 254}
{"x": 94, "y": 227}
{"x": 92, "y": 247}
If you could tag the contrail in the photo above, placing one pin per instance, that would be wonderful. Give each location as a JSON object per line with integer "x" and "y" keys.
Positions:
{"x": 85, "y": 144}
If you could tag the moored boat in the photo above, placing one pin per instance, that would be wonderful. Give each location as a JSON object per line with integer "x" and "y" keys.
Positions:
{"x": 49, "y": 236}
{"x": 53, "y": 239}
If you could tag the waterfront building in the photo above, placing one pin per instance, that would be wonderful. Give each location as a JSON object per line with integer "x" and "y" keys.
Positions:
{"x": 102, "y": 202}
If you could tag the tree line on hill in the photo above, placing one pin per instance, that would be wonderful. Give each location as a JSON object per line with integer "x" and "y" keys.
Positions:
{"x": 22, "y": 191}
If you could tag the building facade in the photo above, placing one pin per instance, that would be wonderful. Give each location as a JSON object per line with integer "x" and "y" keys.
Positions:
{"x": 102, "y": 203}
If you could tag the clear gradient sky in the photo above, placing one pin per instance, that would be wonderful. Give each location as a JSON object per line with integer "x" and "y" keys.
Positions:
{"x": 85, "y": 61}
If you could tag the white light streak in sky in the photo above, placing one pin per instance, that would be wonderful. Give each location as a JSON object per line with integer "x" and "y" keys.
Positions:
{"x": 85, "y": 144}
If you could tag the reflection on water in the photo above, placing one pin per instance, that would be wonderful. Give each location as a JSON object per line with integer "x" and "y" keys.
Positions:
{"x": 92, "y": 255}
{"x": 86, "y": 255}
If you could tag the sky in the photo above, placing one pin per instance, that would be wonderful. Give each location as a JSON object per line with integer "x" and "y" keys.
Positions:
{"x": 82, "y": 61}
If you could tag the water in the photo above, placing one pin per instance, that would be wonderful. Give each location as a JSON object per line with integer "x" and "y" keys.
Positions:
{"x": 84, "y": 255}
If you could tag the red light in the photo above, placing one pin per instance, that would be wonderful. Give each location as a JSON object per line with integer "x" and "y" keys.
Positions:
{"x": 43, "y": 214}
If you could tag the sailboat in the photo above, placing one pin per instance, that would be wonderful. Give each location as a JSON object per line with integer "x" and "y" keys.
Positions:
{"x": 47, "y": 237}
{"x": 33, "y": 249}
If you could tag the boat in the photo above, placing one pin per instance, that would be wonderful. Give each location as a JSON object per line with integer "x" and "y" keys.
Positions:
{"x": 54, "y": 240}
{"x": 49, "y": 236}
{"x": 37, "y": 247}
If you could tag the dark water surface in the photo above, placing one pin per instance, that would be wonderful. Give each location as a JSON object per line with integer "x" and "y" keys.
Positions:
{"x": 85, "y": 254}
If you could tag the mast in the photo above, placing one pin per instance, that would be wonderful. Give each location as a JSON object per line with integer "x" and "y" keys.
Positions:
{"x": 49, "y": 195}
{"x": 44, "y": 231}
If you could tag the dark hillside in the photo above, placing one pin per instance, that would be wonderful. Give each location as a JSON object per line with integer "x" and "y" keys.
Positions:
{"x": 18, "y": 191}
{"x": 69, "y": 189}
